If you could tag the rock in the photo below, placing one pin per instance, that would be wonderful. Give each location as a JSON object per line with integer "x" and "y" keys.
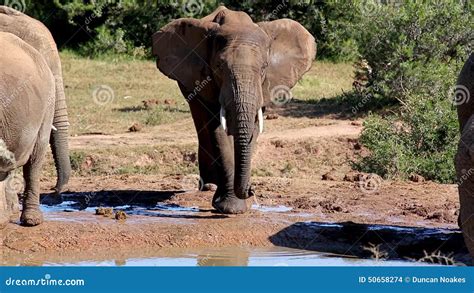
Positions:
{"x": 356, "y": 123}
{"x": 135, "y": 127}
{"x": 209, "y": 187}
{"x": 151, "y": 103}
{"x": 120, "y": 215}
{"x": 272, "y": 116}
{"x": 278, "y": 143}
{"x": 330, "y": 176}
{"x": 106, "y": 212}
{"x": 169, "y": 102}
{"x": 416, "y": 178}
{"x": 353, "y": 177}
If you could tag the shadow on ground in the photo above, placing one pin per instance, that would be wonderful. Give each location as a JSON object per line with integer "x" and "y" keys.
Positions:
{"x": 134, "y": 202}
{"x": 393, "y": 242}
{"x": 334, "y": 107}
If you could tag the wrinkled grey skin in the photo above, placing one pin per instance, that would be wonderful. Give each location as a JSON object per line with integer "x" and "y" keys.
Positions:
{"x": 465, "y": 154}
{"x": 27, "y": 98}
{"x": 225, "y": 63}
{"x": 38, "y": 36}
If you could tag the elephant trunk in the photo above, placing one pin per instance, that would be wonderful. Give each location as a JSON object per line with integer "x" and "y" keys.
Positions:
{"x": 59, "y": 137}
{"x": 245, "y": 103}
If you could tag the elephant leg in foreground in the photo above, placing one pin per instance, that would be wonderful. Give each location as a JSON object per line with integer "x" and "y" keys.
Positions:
{"x": 31, "y": 214}
{"x": 216, "y": 157}
{"x": 465, "y": 175}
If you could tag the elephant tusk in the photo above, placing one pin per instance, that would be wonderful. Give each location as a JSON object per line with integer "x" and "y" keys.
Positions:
{"x": 260, "y": 120}
{"x": 54, "y": 128}
{"x": 223, "y": 120}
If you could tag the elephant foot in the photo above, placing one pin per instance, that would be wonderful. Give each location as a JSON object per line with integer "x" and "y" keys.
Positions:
{"x": 31, "y": 217}
{"x": 229, "y": 204}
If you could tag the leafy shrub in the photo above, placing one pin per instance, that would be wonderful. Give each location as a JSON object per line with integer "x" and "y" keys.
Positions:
{"x": 415, "y": 52}
{"x": 420, "y": 139}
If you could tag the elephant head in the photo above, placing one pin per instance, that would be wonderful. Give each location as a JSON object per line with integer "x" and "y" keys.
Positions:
{"x": 464, "y": 92}
{"x": 243, "y": 62}
{"x": 39, "y": 37}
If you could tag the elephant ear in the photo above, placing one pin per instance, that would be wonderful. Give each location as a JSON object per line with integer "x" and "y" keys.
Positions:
{"x": 181, "y": 49}
{"x": 292, "y": 51}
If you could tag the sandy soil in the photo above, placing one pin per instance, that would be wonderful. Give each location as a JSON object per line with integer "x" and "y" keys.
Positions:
{"x": 341, "y": 198}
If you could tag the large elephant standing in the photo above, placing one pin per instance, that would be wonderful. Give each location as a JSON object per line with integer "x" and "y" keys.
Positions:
{"x": 465, "y": 155}
{"x": 27, "y": 98}
{"x": 228, "y": 68}
{"x": 39, "y": 37}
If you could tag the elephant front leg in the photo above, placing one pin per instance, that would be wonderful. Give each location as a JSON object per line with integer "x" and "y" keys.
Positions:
{"x": 225, "y": 201}
{"x": 215, "y": 155}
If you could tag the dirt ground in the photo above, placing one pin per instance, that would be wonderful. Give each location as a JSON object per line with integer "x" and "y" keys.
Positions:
{"x": 327, "y": 191}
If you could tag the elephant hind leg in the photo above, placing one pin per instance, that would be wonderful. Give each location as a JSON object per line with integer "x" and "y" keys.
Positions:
{"x": 31, "y": 214}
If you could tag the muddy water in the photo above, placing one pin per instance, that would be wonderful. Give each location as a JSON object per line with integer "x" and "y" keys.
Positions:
{"x": 299, "y": 244}
{"x": 275, "y": 256}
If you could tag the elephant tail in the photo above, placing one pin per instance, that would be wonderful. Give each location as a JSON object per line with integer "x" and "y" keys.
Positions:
{"x": 7, "y": 158}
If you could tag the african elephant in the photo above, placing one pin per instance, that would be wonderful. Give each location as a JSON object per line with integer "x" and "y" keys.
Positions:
{"x": 27, "y": 96}
{"x": 229, "y": 68}
{"x": 38, "y": 36}
{"x": 465, "y": 154}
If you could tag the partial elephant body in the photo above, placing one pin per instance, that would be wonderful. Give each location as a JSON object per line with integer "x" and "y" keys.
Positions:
{"x": 229, "y": 68}
{"x": 465, "y": 153}
{"x": 27, "y": 98}
{"x": 39, "y": 37}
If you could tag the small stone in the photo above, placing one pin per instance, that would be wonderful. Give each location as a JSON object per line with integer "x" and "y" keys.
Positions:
{"x": 356, "y": 123}
{"x": 135, "y": 127}
{"x": 416, "y": 178}
{"x": 120, "y": 215}
{"x": 106, "y": 212}
{"x": 209, "y": 187}
{"x": 169, "y": 102}
{"x": 330, "y": 176}
{"x": 272, "y": 116}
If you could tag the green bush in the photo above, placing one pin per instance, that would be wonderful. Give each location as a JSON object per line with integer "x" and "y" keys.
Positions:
{"x": 415, "y": 52}
{"x": 421, "y": 139}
